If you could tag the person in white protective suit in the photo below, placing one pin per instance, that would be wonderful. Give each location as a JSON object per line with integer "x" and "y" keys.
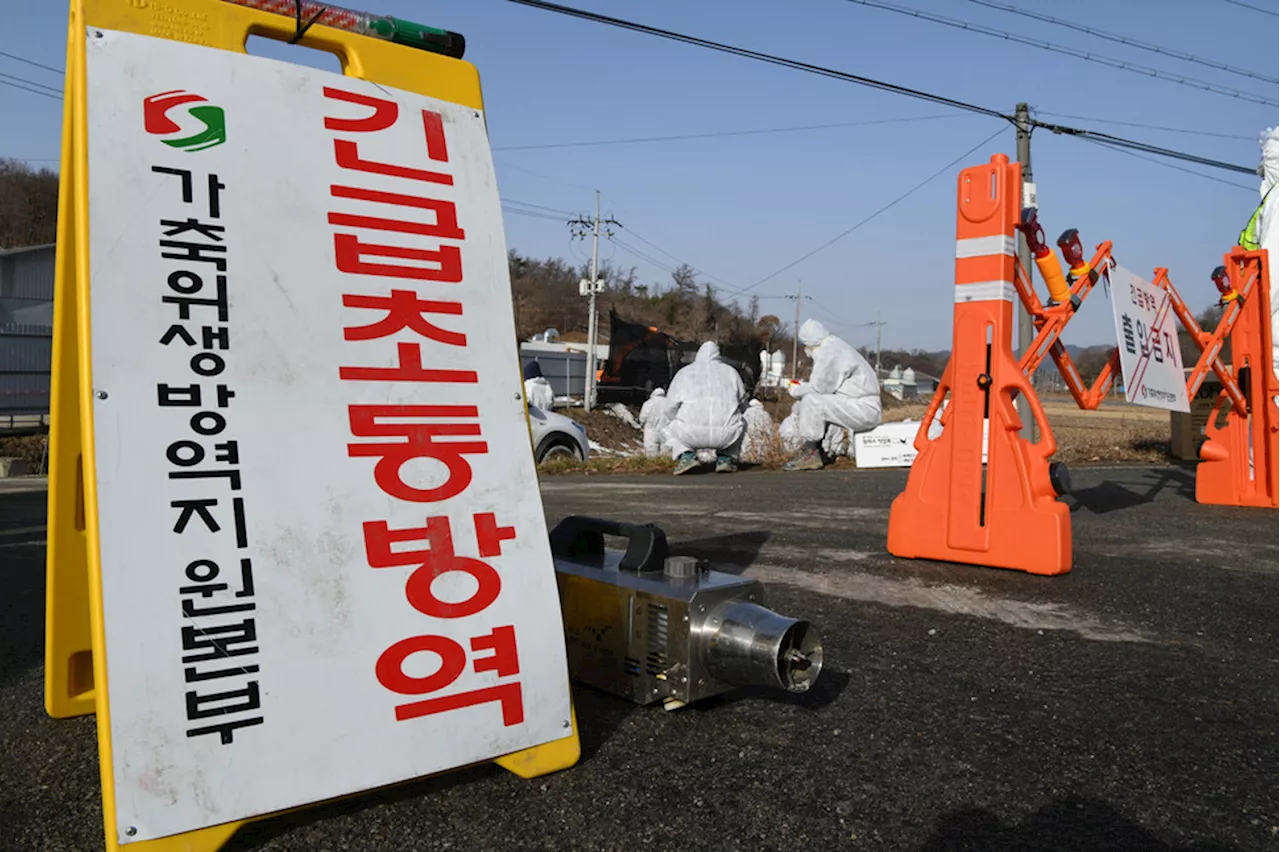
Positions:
{"x": 842, "y": 390}
{"x": 537, "y": 390}
{"x": 788, "y": 433}
{"x": 1263, "y": 229}
{"x": 837, "y": 442}
{"x": 704, "y": 405}
{"x": 760, "y": 432}
{"x": 653, "y": 419}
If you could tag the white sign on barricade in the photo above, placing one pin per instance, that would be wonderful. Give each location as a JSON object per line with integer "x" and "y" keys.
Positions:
{"x": 890, "y": 444}
{"x": 1147, "y": 337}
{"x": 325, "y": 565}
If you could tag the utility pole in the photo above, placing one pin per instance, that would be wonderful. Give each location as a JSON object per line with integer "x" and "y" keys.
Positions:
{"x": 1026, "y": 328}
{"x": 879, "y": 324}
{"x": 591, "y": 288}
{"x": 795, "y": 337}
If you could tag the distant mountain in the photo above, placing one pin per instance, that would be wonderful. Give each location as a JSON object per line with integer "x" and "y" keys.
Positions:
{"x": 1076, "y": 351}
{"x": 1072, "y": 349}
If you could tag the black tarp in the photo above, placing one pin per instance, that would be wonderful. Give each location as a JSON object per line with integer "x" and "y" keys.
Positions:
{"x": 642, "y": 358}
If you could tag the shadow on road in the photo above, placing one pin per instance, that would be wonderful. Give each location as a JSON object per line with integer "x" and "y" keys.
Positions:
{"x": 1064, "y": 825}
{"x": 1107, "y": 497}
{"x": 598, "y": 714}
{"x": 826, "y": 689}
{"x": 731, "y": 554}
{"x": 1110, "y": 496}
{"x": 257, "y": 834}
{"x": 22, "y": 595}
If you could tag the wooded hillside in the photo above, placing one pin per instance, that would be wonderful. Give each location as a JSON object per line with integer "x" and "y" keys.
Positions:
{"x": 546, "y": 295}
{"x": 28, "y": 205}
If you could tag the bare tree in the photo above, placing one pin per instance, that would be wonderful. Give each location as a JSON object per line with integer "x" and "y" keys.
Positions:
{"x": 28, "y": 205}
{"x": 545, "y": 295}
{"x": 685, "y": 279}
{"x": 1208, "y": 319}
{"x": 769, "y": 326}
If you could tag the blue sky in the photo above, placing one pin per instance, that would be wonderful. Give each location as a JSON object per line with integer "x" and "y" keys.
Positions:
{"x": 740, "y": 207}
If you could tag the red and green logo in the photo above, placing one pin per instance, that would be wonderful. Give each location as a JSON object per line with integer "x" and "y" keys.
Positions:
{"x": 185, "y": 121}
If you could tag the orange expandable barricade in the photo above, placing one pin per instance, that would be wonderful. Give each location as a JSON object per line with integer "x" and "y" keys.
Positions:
{"x": 1238, "y": 460}
{"x": 1008, "y": 515}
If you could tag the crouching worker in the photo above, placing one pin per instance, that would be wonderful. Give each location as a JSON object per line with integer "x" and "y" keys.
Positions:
{"x": 537, "y": 390}
{"x": 760, "y": 433}
{"x": 704, "y": 406}
{"x": 842, "y": 390}
{"x": 653, "y": 419}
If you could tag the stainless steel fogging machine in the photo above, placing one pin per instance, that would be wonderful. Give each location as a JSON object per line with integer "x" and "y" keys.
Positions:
{"x": 645, "y": 625}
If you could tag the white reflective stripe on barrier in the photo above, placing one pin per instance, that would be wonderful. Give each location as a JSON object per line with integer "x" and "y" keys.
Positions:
{"x": 983, "y": 246}
{"x": 984, "y": 291}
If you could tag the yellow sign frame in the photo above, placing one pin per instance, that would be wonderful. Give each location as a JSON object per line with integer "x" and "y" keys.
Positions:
{"x": 75, "y": 659}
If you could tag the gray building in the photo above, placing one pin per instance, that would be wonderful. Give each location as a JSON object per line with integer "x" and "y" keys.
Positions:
{"x": 26, "y": 335}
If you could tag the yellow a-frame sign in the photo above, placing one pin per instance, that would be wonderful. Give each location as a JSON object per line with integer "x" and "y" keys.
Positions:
{"x": 318, "y": 257}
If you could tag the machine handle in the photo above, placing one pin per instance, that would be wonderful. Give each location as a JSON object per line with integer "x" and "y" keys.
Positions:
{"x": 578, "y": 536}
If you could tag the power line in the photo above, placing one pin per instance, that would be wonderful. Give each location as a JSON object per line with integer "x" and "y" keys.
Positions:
{"x": 718, "y": 134}
{"x": 1254, "y": 8}
{"x": 630, "y": 249}
{"x": 538, "y": 206}
{"x": 33, "y": 62}
{"x": 1053, "y": 48}
{"x": 886, "y": 207}
{"x": 761, "y": 57}
{"x": 50, "y": 89}
{"x": 532, "y": 215}
{"x": 665, "y": 267}
{"x": 727, "y": 287}
{"x": 510, "y": 165}
{"x": 864, "y": 81}
{"x": 1121, "y": 142}
{"x": 1146, "y": 126}
{"x": 1172, "y": 166}
{"x": 832, "y": 319}
{"x": 31, "y": 90}
{"x": 661, "y": 250}
{"x": 1125, "y": 40}
{"x": 731, "y": 288}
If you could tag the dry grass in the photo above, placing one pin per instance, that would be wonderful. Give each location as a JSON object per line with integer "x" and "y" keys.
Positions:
{"x": 775, "y": 456}
{"x": 29, "y": 448}
{"x": 608, "y": 464}
{"x": 1115, "y": 433}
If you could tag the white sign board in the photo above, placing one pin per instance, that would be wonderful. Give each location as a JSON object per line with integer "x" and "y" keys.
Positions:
{"x": 1147, "y": 337}
{"x": 890, "y": 444}
{"x": 324, "y": 558}
{"x": 887, "y": 445}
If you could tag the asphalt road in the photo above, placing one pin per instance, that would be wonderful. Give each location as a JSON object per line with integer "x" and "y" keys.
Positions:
{"x": 1128, "y": 705}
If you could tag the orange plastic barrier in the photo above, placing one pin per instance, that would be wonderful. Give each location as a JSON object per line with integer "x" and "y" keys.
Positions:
{"x": 1238, "y": 460}
{"x": 1051, "y": 320}
{"x": 1007, "y": 516}
{"x": 1210, "y": 344}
